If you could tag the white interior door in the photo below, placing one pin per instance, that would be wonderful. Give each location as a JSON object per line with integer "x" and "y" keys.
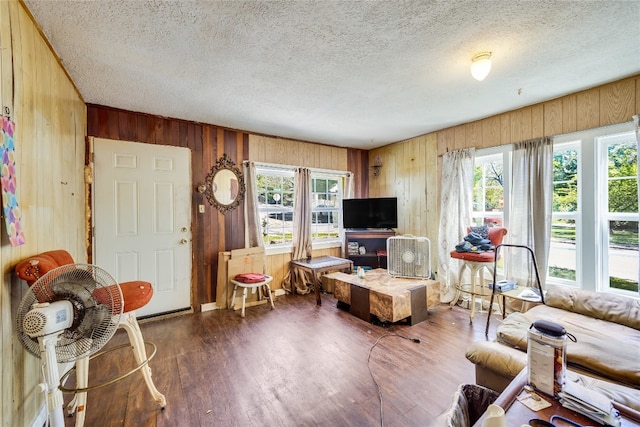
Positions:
{"x": 142, "y": 218}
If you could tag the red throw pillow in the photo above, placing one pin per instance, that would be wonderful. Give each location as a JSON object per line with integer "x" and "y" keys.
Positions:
{"x": 250, "y": 277}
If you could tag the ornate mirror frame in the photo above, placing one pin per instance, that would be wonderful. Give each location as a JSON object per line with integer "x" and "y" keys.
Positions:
{"x": 224, "y": 185}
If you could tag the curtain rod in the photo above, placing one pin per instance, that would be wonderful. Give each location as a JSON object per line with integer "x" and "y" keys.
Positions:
{"x": 293, "y": 168}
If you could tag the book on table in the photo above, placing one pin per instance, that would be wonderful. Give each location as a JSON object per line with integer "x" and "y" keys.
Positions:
{"x": 504, "y": 285}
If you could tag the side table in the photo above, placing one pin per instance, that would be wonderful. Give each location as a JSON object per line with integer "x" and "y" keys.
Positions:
{"x": 514, "y": 293}
{"x": 319, "y": 265}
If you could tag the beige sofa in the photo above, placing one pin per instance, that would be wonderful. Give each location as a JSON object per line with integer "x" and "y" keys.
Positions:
{"x": 607, "y": 328}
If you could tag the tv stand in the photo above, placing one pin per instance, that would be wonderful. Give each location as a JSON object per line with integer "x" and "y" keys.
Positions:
{"x": 374, "y": 241}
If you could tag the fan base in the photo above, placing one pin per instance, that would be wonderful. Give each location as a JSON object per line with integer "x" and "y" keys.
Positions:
{"x": 111, "y": 381}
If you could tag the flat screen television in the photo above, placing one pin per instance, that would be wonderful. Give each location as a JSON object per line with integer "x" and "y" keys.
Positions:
{"x": 380, "y": 212}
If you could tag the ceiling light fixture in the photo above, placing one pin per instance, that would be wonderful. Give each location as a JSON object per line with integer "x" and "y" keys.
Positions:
{"x": 481, "y": 65}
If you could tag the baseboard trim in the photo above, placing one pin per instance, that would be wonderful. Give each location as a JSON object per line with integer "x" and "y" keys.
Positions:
{"x": 208, "y": 306}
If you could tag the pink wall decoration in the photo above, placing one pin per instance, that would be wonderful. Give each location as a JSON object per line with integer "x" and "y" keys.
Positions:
{"x": 12, "y": 215}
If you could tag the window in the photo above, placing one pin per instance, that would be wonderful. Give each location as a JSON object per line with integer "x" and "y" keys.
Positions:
{"x": 327, "y": 203}
{"x": 276, "y": 206}
{"x": 489, "y": 186}
{"x": 565, "y": 221}
{"x": 618, "y": 187}
{"x": 594, "y": 239}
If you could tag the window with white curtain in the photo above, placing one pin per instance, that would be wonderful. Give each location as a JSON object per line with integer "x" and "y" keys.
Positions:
{"x": 595, "y": 219}
{"x": 326, "y": 193}
{"x": 275, "y": 192}
{"x": 490, "y": 186}
{"x": 275, "y": 205}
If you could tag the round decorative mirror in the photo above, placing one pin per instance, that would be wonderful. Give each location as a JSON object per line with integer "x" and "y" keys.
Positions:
{"x": 224, "y": 185}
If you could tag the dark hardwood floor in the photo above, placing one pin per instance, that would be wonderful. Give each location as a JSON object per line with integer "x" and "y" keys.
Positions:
{"x": 298, "y": 365}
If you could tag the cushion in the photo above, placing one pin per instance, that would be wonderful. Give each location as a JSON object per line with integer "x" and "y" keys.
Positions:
{"x": 474, "y": 256}
{"x": 250, "y": 277}
{"x": 497, "y": 357}
{"x": 136, "y": 294}
{"x": 612, "y": 308}
{"x": 32, "y": 268}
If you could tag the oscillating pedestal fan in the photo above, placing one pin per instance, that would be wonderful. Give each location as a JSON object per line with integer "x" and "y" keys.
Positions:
{"x": 69, "y": 313}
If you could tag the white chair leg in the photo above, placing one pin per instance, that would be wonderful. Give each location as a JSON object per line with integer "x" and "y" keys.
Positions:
{"x": 130, "y": 324}
{"x": 269, "y": 296}
{"x": 474, "y": 273}
{"x": 233, "y": 298}
{"x": 78, "y": 405}
{"x": 82, "y": 381}
{"x": 458, "y": 285}
{"x": 72, "y": 405}
{"x": 244, "y": 300}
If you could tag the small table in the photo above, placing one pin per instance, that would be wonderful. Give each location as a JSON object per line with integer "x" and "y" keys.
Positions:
{"x": 319, "y": 265}
{"x": 513, "y": 294}
{"x": 518, "y": 414}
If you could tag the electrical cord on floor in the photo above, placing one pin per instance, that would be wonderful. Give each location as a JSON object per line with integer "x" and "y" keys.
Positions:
{"x": 390, "y": 334}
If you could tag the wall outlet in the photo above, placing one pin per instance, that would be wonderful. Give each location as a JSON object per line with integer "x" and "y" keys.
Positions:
{"x": 201, "y": 208}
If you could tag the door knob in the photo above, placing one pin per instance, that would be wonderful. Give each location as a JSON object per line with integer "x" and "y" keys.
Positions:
{"x": 184, "y": 229}
{"x": 184, "y": 241}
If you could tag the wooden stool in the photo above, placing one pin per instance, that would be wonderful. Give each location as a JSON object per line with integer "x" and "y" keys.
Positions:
{"x": 256, "y": 285}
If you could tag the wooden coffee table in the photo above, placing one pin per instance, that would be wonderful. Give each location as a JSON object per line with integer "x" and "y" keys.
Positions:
{"x": 389, "y": 298}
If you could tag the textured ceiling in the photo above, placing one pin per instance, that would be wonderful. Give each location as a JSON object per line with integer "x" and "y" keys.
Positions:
{"x": 348, "y": 73}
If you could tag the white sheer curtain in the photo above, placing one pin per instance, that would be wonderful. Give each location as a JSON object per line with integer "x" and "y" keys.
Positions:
{"x": 636, "y": 121}
{"x": 301, "y": 231}
{"x": 455, "y": 214}
{"x": 253, "y": 230}
{"x": 530, "y": 209}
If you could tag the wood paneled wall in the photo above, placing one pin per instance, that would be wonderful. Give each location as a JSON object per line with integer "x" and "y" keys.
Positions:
{"x": 409, "y": 173}
{"x": 411, "y": 168}
{"x": 213, "y": 232}
{"x": 604, "y": 105}
{"x": 298, "y": 153}
{"x": 50, "y": 123}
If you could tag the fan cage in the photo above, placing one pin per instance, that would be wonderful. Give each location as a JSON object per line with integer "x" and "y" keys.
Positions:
{"x": 409, "y": 256}
{"x": 97, "y": 305}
